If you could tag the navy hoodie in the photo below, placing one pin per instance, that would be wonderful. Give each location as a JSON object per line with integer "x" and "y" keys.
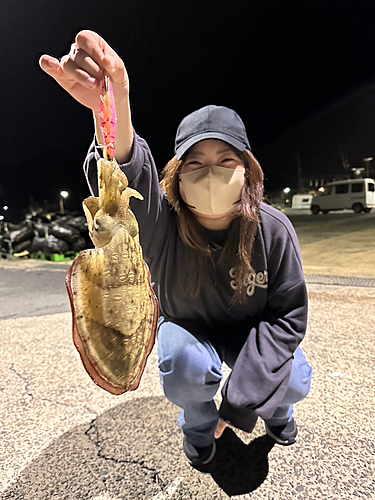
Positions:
{"x": 273, "y": 316}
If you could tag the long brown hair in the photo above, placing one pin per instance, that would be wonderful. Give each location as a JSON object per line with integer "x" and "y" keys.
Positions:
{"x": 240, "y": 240}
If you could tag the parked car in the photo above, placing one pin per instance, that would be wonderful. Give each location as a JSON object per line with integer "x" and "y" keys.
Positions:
{"x": 301, "y": 201}
{"x": 355, "y": 194}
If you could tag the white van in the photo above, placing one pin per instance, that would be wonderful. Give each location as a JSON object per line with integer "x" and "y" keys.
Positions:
{"x": 302, "y": 201}
{"x": 354, "y": 194}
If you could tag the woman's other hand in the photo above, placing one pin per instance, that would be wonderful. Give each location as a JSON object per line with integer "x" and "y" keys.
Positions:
{"x": 221, "y": 426}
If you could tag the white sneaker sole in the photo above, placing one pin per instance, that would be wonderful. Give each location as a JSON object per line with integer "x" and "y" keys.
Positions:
{"x": 211, "y": 456}
{"x": 275, "y": 438}
{"x": 207, "y": 461}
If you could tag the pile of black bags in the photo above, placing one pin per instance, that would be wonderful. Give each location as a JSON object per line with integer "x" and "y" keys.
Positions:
{"x": 45, "y": 235}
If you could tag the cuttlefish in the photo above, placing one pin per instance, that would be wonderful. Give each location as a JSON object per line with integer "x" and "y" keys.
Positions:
{"x": 115, "y": 310}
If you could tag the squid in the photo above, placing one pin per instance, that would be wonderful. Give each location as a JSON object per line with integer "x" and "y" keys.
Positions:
{"x": 114, "y": 308}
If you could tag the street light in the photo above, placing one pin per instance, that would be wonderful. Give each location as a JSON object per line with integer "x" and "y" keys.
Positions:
{"x": 63, "y": 194}
{"x": 287, "y": 190}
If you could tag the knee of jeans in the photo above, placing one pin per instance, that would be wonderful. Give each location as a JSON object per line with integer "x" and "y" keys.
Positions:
{"x": 189, "y": 368}
{"x": 188, "y": 376}
{"x": 302, "y": 388}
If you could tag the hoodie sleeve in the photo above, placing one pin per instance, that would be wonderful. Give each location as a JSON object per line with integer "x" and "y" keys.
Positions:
{"x": 153, "y": 213}
{"x": 261, "y": 374}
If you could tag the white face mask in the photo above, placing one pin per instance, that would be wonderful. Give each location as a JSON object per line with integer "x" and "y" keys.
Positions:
{"x": 212, "y": 190}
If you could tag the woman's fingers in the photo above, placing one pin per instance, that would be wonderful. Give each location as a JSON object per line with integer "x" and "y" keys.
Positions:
{"x": 85, "y": 62}
{"x": 81, "y": 71}
{"x": 66, "y": 72}
{"x": 81, "y": 68}
{"x": 73, "y": 79}
{"x": 221, "y": 426}
{"x": 92, "y": 44}
{"x": 104, "y": 56}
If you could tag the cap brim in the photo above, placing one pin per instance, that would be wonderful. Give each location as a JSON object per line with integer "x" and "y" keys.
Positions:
{"x": 181, "y": 150}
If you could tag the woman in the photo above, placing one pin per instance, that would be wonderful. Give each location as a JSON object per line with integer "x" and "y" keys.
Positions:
{"x": 226, "y": 267}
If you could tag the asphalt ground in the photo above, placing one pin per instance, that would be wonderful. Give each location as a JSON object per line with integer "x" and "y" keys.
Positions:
{"x": 62, "y": 437}
{"x": 336, "y": 244}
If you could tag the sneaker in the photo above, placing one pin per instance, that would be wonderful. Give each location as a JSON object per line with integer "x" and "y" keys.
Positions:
{"x": 283, "y": 434}
{"x": 199, "y": 456}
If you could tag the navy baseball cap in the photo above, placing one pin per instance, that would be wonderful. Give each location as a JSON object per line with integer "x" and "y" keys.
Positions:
{"x": 211, "y": 122}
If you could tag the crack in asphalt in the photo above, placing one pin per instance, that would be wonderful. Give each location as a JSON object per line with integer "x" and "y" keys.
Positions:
{"x": 155, "y": 476}
{"x": 27, "y": 391}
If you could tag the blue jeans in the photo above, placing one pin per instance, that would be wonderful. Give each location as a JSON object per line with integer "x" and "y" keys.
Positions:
{"x": 190, "y": 374}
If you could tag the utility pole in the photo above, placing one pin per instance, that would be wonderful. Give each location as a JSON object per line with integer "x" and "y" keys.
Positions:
{"x": 344, "y": 155}
{"x": 299, "y": 171}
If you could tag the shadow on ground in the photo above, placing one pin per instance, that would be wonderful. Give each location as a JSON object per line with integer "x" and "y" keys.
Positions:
{"x": 134, "y": 451}
{"x": 239, "y": 468}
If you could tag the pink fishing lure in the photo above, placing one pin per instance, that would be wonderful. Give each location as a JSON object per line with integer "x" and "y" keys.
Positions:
{"x": 108, "y": 118}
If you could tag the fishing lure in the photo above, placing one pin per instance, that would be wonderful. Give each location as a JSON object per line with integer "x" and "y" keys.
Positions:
{"x": 108, "y": 118}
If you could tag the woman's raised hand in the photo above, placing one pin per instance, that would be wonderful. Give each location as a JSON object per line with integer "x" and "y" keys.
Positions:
{"x": 81, "y": 71}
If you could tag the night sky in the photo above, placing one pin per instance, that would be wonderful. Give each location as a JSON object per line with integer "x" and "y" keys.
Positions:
{"x": 275, "y": 62}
